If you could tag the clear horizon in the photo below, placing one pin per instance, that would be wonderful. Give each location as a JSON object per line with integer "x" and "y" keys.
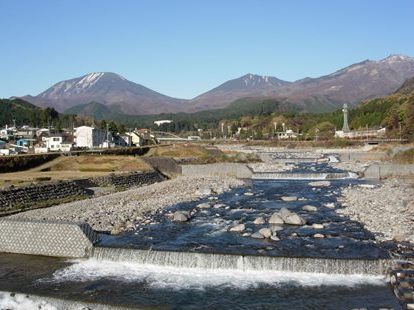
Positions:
{"x": 184, "y": 48}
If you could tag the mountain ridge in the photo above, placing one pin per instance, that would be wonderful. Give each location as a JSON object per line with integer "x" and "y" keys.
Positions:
{"x": 352, "y": 84}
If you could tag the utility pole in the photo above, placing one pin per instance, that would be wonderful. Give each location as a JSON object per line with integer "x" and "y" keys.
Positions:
{"x": 107, "y": 134}
{"x": 345, "y": 127}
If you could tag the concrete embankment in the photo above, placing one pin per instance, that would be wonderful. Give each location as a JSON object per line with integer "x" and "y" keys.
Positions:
{"x": 47, "y": 238}
{"x": 382, "y": 171}
{"x": 240, "y": 171}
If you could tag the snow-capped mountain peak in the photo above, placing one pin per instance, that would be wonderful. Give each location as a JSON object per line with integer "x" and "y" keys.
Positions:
{"x": 396, "y": 58}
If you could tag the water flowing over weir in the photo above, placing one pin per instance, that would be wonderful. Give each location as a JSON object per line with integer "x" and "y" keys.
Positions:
{"x": 302, "y": 176}
{"x": 243, "y": 262}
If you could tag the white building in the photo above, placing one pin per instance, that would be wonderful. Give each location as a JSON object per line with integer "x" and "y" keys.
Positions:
{"x": 7, "y": 133}
{"x": 55, "y": 143}
{"x": 288, "y": 134}
{"x": 90, "y": 137}
{"x": 164, "y": 121}
{"x": 135, "y": 138}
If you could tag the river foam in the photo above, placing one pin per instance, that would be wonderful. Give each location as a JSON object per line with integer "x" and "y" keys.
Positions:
{"x": 158, "y": 277}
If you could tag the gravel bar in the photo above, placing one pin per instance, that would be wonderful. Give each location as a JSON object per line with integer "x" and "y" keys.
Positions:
{"x": 387, "y": 210}
{"x": 117, "y": 212}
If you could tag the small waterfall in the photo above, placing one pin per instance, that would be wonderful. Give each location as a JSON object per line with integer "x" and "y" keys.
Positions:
{"x": 243, "y": 262}
{"x": 301, "y": 176}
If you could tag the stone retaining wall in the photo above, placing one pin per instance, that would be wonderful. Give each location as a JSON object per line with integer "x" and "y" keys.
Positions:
{"x": 381, "y": 171}
{"x": 129, "y": 179}
{"x": 59, "y": 239}
{"x": 28, "y": 196}
{"x": 240, "y": 171}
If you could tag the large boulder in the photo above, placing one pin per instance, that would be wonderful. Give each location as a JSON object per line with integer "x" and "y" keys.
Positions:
{"x": 309, "y": 208}
{"x": 276, "y": 219}
{"x": 284, "y": 213}
{"x": 238, "y": 228}
{"x": 317, "y": 226}
{"x": 257, "y": 235}
{"x": 289, "y": 198}
{"x": 295, "y": 219}
{"x": 204, "y": 205}
{"x": 319, "y": 183}
{"x": 259, "y": 221}
{"x": 265, "y": 232}
{"x": 180, "y": 216}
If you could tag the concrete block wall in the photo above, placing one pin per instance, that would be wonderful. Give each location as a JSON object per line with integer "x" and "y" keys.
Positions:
{"x": 240, "y": 171}
{"x": 58, "y": 239}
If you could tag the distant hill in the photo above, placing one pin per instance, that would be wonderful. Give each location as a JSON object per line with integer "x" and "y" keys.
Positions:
{"x": 25, "y": 113}
{"x": 365, "y": 80}
{"x": 109, "y": 89}
{"x": 407, "y": 87}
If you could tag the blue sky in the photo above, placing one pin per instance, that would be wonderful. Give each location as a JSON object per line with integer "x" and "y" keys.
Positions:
{"x": 183, "y": 48}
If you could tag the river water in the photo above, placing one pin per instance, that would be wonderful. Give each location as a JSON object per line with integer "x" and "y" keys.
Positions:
{"x": 170, "y": 280}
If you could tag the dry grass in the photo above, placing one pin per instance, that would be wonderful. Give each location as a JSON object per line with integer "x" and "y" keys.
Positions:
{"x": 96, "y": 163}
{"x": 76, "y": 167}
{"x": 180, "y": 150}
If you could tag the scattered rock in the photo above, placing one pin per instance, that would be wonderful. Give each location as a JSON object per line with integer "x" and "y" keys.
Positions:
{"x": 367, "y": 185}
{"x": 246, "y": 234}
{"x": 259, "y": 221}
{"x": 309, "y": 208}
{"x": 204, "y": 205}
{"x": 248, "y": 194}
{"x": 330, "y": 205}
{"x": 318, "y": 236}
{"x": 238, "y": 228}
{"x": 219, "y": 205}
{"x": 204, "y": 192}
{"x": 289, "y": 198}
{"x": 318, "y": 226}
{"x": 180, "y": 216}
{"x": 319, "y": 183}
{"x": 276, "y": 219}
{"x": 265, "y": 232}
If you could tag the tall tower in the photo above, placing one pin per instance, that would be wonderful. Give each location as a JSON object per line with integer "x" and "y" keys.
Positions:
{"x": 345, "y": 128}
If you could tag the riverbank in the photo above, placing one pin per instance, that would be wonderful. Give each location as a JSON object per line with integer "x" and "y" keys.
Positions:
{"x": 117, "y": 212}
{"x": 387, "y": 210}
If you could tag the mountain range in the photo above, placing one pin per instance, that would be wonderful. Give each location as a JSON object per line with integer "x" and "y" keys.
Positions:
{"x": 360, "y": 81}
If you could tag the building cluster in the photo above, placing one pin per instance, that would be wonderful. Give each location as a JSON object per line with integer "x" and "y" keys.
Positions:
{"x": 26, "y": 139}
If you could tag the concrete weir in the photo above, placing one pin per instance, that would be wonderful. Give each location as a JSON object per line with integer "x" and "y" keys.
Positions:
{"x": 243, "y": 262}
{"x": 47, "y": 238}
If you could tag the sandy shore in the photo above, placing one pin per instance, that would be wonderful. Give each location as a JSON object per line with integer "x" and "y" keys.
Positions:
{"x": 386, "y": 210}
{"x": 117, "y": 212}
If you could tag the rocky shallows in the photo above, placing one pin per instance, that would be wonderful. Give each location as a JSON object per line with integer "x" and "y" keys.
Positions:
{"x": 121, "y": 211}
{"x": 386, "y": 209}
